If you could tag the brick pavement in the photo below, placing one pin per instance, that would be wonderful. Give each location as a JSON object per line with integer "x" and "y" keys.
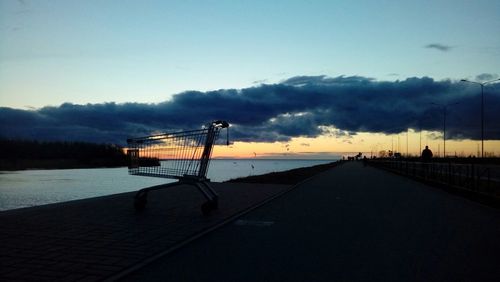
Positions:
{"x": 94, "y": 239}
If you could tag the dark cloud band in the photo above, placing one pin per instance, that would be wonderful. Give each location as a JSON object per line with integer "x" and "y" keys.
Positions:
{"x": 299, "y": 106}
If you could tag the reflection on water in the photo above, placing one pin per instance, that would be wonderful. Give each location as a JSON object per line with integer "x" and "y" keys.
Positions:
{"x": 37, "y": 187}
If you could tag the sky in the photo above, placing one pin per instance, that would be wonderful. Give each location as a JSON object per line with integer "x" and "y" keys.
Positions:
{"x": 320, "y": 76}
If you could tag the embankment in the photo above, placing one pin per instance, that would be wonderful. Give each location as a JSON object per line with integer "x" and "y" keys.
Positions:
{"x": 290, "y": 177}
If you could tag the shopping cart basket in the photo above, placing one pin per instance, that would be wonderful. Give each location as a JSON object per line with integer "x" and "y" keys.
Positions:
{"x": 184, "y": 156}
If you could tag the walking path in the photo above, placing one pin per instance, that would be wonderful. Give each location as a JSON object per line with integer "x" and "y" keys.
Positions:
{"x": 95, "y": 239}
{"x": 351, "y": 223}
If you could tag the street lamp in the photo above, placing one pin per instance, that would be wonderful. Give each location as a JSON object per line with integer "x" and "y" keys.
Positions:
{"x": 444, "y": 106}
{"x": 482, "y": 109}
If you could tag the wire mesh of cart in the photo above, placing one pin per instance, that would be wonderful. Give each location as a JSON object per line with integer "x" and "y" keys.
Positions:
{"x": 184, "y": 156}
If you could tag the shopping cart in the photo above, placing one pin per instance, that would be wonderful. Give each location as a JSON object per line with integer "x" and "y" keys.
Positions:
{"x": 184, "y": 156}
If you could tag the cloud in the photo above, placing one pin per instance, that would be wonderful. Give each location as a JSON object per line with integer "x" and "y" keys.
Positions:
{"x": 306, "y": 106}
{"x": 440, "y": 47}
{"x": 486, "y": 77}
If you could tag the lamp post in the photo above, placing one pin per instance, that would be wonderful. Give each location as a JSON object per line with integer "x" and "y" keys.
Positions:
{"x": 482, "y": 109}
{"x": 444, "y": 106}
{"x": 407, "y": 132}
{"x": 420, "y": 143}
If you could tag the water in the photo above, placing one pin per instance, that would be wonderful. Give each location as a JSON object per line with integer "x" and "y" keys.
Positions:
{"x": 28, "y": 188}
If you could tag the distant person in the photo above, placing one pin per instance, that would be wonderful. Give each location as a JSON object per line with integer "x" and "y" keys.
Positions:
{"x": 426, "y": 154}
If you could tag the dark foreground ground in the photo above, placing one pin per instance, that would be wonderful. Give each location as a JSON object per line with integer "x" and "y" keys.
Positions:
{"x": 351, "y": 223}
{"x": 101, "y": 238}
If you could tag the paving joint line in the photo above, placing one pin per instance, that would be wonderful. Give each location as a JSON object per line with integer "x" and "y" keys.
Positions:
{"x": 204, "y": 232}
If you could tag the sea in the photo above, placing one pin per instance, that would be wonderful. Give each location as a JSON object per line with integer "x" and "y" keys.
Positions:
{"x": 28, "y": 188}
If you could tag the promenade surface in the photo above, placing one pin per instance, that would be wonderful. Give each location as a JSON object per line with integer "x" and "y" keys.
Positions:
{"x": 351, "y": 223}
{"x": 96, "y": 239}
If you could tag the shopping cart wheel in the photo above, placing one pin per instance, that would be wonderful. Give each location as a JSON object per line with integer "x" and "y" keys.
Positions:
{"x": 140, "y": 201}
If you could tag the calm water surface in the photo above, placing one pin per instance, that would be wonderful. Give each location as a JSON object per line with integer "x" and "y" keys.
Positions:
{"x": 38, "y": 187}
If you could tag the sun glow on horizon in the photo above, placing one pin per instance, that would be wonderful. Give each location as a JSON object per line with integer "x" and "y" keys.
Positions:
{"x": 370, "y": 144}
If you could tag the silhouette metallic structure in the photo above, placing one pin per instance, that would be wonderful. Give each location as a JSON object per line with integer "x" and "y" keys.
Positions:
{"x": 444, "y": 106}
{"x": 184, "y": 156}
{"x": 482, "y": 109}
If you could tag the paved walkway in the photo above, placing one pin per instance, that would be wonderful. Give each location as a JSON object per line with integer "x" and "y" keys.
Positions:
{"x": 351, "y": 223}
{"x": 95, "y": 239}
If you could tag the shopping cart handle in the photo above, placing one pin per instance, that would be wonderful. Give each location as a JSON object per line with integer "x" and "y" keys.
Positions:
{"x": 221, "y": 123}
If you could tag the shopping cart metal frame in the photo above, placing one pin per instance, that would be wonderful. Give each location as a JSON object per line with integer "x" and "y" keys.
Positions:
{"x": 184, "y": 156}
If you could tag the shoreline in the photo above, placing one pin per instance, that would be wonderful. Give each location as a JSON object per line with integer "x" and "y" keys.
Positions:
{"x": 32, "y": 164}
{"x": 288, "y": 177}
{"x": 62, "y": 164}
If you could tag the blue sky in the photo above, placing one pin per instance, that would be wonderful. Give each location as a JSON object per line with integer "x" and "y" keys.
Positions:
{"x": 81, "y": 52}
